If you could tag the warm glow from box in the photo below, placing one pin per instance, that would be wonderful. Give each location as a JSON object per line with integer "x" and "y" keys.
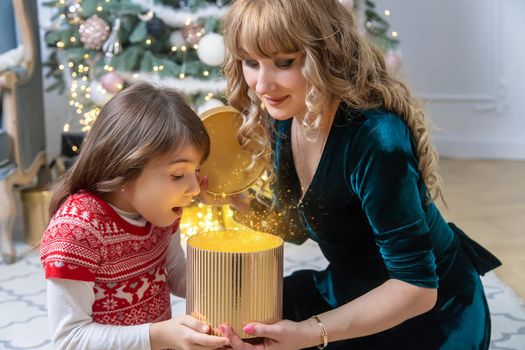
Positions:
{"x": 234, "y": 241}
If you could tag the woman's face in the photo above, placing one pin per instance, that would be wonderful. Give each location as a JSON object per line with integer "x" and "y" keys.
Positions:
{"x": 278, "y": 82}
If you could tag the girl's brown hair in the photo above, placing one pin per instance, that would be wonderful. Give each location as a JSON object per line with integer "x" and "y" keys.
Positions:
{"x": 139, "y": 124}
{"x": 339, "y": 64}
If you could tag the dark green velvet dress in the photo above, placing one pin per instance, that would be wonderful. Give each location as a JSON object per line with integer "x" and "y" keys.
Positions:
{"x": 366, "y": 207}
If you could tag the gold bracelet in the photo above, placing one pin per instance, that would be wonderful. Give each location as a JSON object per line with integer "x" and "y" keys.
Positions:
{"x": 324, "y": 334}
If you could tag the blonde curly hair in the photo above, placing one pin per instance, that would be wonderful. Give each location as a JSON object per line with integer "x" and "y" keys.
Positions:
{"x": 339, "y": 64}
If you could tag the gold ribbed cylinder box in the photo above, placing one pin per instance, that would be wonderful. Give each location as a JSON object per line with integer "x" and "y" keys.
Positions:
{"x": 35, "y": 203}
{"x": 234, "y": 277}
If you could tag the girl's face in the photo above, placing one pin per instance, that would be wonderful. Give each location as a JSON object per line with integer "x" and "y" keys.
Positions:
{"x": 278, "y": 82}
{"x": 164, "y": 187}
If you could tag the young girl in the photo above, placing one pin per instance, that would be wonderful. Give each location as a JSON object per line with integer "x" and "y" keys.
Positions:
{"x": 111, "y": 252}
{"x": 354, "y": 170}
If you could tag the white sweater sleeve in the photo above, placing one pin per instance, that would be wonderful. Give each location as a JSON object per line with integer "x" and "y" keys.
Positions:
{"x": 176, "y": 266}
{"x": 69, "y": 305}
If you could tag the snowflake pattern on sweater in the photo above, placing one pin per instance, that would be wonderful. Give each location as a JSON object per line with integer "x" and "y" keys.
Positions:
{"x": 88, "y": 241}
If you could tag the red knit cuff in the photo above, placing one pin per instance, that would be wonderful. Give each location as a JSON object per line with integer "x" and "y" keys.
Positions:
{"x": 67, "y": 270}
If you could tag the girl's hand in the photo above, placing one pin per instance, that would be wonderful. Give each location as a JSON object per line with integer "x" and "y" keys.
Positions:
{"x": 285, "y": 335}
{"x": 184, "y": 333}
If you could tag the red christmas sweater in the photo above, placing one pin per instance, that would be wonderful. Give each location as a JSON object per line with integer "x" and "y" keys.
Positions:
{"x": 88, "y": 241}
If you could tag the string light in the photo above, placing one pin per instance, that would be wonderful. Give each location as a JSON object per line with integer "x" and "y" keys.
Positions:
{"x": 394, "y": 34}
{"x": 387, "y": 12}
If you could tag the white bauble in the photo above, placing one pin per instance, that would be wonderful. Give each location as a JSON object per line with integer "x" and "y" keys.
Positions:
{"x": 98, "y": 94}
{"x": 176, "y": 38}
{"x": 211, "y": 49}
{"x": 211, "y": 103}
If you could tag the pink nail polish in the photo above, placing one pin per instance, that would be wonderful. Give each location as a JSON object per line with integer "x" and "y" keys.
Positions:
{"x": 249, "y": 329}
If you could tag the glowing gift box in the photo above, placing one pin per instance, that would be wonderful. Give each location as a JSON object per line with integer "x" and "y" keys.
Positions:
{"x": 234, "y": 277}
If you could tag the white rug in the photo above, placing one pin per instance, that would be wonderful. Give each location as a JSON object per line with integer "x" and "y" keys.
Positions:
{"x": 23, "y": 315}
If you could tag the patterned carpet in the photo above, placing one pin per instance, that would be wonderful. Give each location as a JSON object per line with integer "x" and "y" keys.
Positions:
{"x": 23, "y": 316}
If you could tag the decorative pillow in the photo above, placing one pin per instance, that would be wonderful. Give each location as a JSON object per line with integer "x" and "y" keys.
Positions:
{"x": 11, "y": 58}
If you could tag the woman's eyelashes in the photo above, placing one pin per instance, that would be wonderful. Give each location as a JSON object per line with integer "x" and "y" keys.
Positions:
{"x": 251, "y": 63}
{"x": 279, "y": 63}
{"x": 284, "y": 63}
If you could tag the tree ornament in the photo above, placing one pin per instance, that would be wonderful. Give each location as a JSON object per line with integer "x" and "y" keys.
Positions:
{"x": 72, "y": 12}
{"x": 176, "y": 38}
{"x": 111, "y": 82}
{"x": 146, "y": 16}
{"x": 192, "y": 33}
{"x": 184, "y": 4}
{"x": 113, "y": 46}
{"x": 211, "y": 49}
{"x": 393, "y": 60}
{"x": 93, "y": 32}
{"x": 156, "y": 27}
{"x": 99, "y": 95}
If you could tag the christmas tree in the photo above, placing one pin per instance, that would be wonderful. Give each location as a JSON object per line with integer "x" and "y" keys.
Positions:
{"x": 374, "y": 24}
{"x": 98, "y": 46}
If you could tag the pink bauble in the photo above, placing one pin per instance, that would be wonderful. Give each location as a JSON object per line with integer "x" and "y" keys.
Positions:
{"x": 94, "y": 32}
{"x": 112, "y": 82}
{"x": 192, "y": 33}
{"x": 393, "y": 60}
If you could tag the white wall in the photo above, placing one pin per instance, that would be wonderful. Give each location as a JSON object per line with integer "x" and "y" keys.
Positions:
{"x": 465, "y": 57}
{"x": 55, "y": 105}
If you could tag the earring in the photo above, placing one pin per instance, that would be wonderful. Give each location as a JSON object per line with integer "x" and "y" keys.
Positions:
{"x": 122, "y": 189}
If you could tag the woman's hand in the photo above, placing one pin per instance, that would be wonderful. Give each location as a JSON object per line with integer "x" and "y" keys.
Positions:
{"x": 238, "y": 201}
{"x": 283, "y": 335}
{"x": 184, "y": 333}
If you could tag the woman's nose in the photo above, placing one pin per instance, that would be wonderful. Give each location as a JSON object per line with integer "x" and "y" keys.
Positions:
{"x": 265, "y": 82}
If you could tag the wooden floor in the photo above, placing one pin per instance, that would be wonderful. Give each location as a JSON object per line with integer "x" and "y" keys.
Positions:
{"x": 487, "y": 200}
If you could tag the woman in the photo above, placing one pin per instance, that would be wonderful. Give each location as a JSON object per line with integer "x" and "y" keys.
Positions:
{"x": 353, "y": 169}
